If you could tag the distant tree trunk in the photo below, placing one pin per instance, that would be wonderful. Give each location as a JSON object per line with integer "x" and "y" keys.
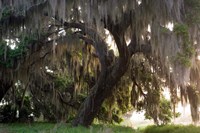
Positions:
{"x": 194, "y": 103}
{"x": 4, "y": 87}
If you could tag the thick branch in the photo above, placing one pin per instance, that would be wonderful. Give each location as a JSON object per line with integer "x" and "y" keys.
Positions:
{"x": 99, "y": 44}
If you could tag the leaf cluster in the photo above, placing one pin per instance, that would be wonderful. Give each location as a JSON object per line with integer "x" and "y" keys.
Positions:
{"x": 9, "y": 56}
{"x": 188, "y": 51}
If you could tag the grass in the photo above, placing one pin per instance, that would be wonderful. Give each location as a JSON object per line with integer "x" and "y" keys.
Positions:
{"x": 67, "y": 128}
{"x": 172, "y": 129}
{"x": 61, "y": 128}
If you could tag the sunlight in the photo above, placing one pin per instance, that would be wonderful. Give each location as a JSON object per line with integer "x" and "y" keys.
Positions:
{"x": 198, "y": 57}
{"x": 110, "y": 42}
{"x": 139, "y": 2}
{"x": 137, "y": 119}
{"x": 170, "y": 26}
{"x": 11, "y": 43}
{"x": 48, "y": 70}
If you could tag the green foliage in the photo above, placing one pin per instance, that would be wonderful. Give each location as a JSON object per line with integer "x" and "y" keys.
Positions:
{"x": 109, "y": 115}
{"x": 113, "y": 108}
{"x": 26, "y": 110}
{"x": 8, "y": 56}
{"x": 180, "y": 57}
{"x": 60, "y": 103}
{"x": 164, "y": 30}
{"x": 181, "y": 29}
{"x": 147, "y": 89}
{"x": 118, "y": 104}
{"x": 165, "y": 113}
{"x": 8, "y": 112}
{"x": 63, "y": 82}
{"x": 6, "y": 12}
{"x": 188, "y": 50}
{"x": 13, "y": 102}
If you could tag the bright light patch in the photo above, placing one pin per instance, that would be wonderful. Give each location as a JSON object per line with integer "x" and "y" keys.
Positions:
{"x": 11, "y": 43}
{"x": 195, "y": 42}
{"x": 48, "y": 70}
{"x": 110, "y": 42}
{"x": 198, "y": 57}
{"x": 139, "y": 2}
{"x": 62, "y": 33}
{"x": 149, "y": 28}
{"x": 128, "y": 41}
{"x": 166, "y": 93}
{"x": 170, "y": 69}
{"x": 137, "y": 119}
{"x": 170, "y": 26}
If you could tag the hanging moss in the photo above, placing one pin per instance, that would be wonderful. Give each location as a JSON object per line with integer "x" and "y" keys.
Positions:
{"x": 82, "y": 63}
{"x": 165, "y": 113}
{"x": 192, "y": 11}
{"x": 188, "y": 50}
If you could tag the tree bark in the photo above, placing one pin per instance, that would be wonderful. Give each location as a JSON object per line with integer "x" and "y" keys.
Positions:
{"x": 4, "y": 87}
{"x": 108, "y": 78}
{"x": 102, "y": 90}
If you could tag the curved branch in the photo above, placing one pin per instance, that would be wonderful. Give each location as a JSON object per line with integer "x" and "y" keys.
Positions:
{"x": 99, "y": 44}
{"x": 86, "y": 39}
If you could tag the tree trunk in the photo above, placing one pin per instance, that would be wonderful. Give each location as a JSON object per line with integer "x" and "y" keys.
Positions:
{"x": 93, "y": 102}
{"x": 111, "y": 73}
{"x": 102, "y": 89}
{"x": 4, "y": 87}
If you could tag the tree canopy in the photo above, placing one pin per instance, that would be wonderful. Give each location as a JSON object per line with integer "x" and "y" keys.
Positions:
{"x": 60, "y": 53}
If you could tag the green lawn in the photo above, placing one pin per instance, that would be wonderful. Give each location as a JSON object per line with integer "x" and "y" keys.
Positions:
{"x": 66, "y": 128}
{"x": 172, "y": 129}
{"x": 61, "y": 128}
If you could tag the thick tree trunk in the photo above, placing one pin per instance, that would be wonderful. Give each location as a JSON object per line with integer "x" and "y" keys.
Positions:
{"x": 4, "y": 87}
{"x": 108, "y": 78}
{"x": 110, "y": 74}
{"x": 102, "y": 90}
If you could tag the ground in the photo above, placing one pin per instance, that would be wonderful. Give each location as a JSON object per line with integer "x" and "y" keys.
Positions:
{"x": 66, "y": 128}
{"x": 60, "y": 128}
